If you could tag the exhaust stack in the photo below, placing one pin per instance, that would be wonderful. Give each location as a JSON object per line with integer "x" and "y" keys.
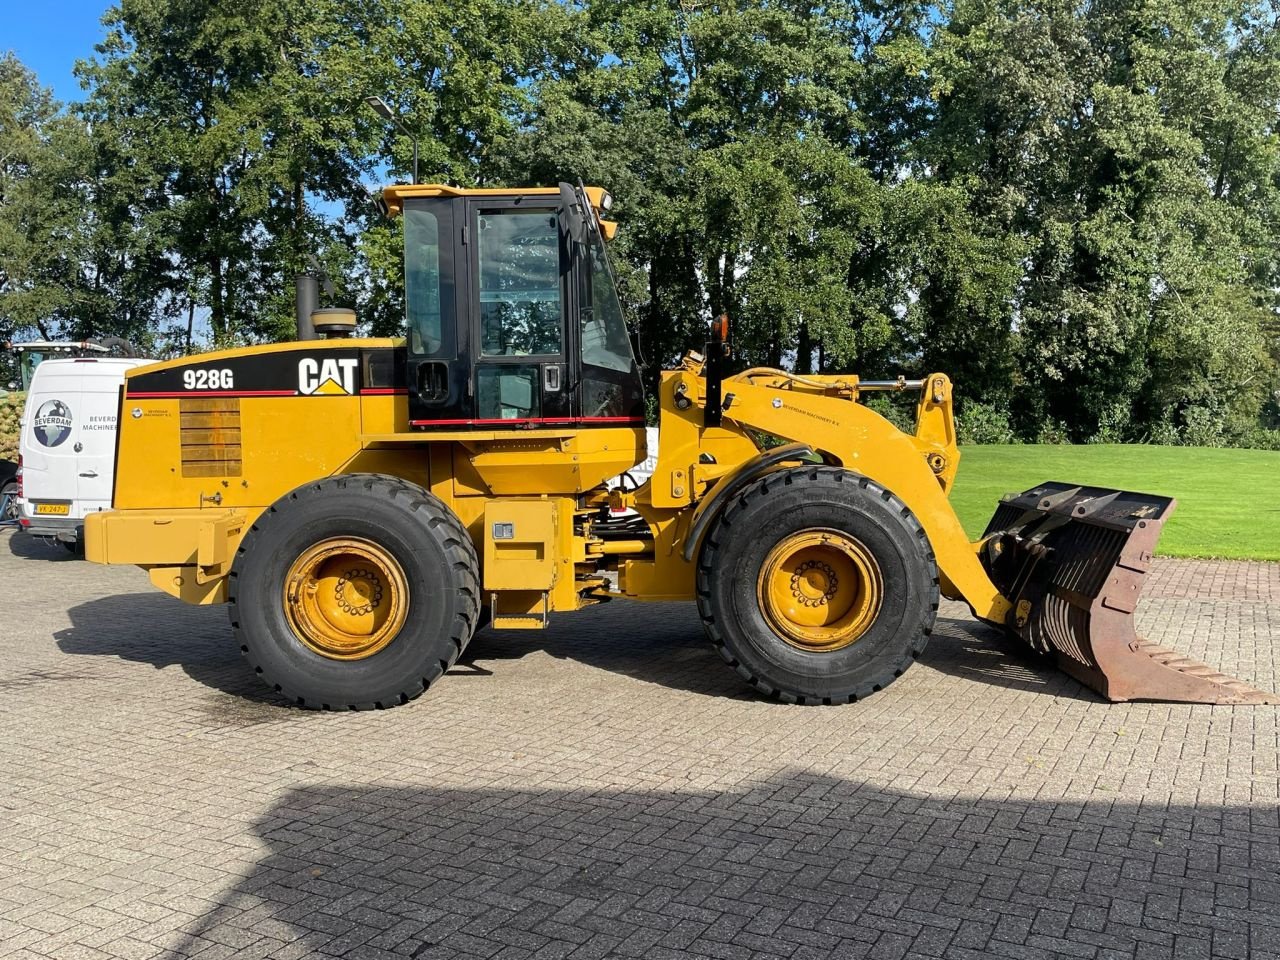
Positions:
{"x": 306, "y": 302}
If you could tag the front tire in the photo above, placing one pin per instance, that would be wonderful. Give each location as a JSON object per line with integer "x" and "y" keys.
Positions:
{"x": 817, "y": 585}
{"x": 354, "y": 592}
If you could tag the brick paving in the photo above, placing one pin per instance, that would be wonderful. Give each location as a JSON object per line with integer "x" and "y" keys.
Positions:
{"x": 608, "y": 789}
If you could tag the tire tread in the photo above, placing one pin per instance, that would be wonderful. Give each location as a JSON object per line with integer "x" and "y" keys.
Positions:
{"x": 766, "y": 486}
{"x": 457, "y": 545}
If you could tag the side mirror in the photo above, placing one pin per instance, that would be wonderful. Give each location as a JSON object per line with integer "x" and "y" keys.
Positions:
{"x": 574, "y": 214}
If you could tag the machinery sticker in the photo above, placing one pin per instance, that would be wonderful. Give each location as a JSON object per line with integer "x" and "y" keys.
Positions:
{"x": 52, "y": 423}
{"x": 306, "y": 371}
{"x": 330, "y": 377}
{"x": 101, "y": 422}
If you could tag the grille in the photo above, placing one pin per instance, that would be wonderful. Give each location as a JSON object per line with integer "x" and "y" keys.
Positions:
{"x": 210, "y": 428}
{"x": 1065, "y": 626}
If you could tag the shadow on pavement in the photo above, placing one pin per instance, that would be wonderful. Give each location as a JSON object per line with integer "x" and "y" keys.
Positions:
{"x": 971, "y": 650}
{"x": 800, "y": 865}
{"x": 662, "y": 644}
{"x": 665, "y": 643}
{"x": 26, "y": 547}
{"x": 156, "y": 629}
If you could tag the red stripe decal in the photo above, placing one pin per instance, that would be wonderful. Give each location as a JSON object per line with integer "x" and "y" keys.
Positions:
{"x": 383, "y": 391}
{"x": 210, "y": 393}
{"x": 515, "y": 423}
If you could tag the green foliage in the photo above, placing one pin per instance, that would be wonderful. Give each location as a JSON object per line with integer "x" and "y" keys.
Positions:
{"x": 1217, "y": 514}
{"x": 11, "y": 405}
{"x": 1121, "y": 145}
{"x": 732, "y": 137}
{"x": 43, "y": 245}
{"x": 978, "y": 422}
{"x": 893, "y": 409}
{"x": 1070, "y": 208}
{"x": 222, "y": 114}
{"x": 1258, "y": 438}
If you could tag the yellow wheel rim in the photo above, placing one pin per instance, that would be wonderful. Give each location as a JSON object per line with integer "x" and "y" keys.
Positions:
{"x": 820, "y": 589}
{"x": 346, "y": 598}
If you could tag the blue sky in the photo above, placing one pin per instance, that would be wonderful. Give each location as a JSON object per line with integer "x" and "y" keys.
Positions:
{"x": 49, "y": 36}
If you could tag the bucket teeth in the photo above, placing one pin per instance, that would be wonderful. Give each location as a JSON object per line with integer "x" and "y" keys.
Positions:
{"x": 1225, "y": 689}
{"x": 1072, "y": 561}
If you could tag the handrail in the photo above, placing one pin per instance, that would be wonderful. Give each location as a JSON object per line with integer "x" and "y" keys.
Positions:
{"x": 870, "y": 386}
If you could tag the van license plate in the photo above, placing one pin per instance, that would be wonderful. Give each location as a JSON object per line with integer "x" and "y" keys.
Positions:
{"x": 54, "y": 509}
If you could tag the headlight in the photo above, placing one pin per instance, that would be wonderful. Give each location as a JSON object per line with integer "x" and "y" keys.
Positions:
{"x": 606, "y": 201}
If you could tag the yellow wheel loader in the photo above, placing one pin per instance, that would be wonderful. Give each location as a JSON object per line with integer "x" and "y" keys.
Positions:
{"x": 363, "y": 505}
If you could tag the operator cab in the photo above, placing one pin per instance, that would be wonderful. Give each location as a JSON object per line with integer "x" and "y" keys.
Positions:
{"x": 513, "y": 314}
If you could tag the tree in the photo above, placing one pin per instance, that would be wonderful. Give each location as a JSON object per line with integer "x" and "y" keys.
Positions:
{"x": 252, "y": 116}
{"x": 751, "y": 155}
{"x": 232, "y": 117}
{"x": 44, "y": 160}
{"x": 1122, "y": 147}
{"x": 457, "y": 74}
{"x": 1071, "y": 207}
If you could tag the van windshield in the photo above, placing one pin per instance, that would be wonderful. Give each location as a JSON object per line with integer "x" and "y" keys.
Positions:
{"x": 30, "y": 359}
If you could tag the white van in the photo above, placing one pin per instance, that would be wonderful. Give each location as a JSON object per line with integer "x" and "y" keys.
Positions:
{"x": 68, "y": 444}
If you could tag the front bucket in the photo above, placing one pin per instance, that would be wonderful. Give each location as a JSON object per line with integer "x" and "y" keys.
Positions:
{"x": 1072, "y": 561}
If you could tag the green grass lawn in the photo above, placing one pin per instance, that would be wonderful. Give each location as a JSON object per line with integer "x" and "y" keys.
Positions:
{"x": 1228, "y": 502}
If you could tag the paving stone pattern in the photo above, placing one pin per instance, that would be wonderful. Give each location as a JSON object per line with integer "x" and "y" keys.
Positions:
{"x": 608, "y": 788}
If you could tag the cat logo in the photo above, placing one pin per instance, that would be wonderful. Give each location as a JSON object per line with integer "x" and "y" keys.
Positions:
{"x": 327, "y": 378}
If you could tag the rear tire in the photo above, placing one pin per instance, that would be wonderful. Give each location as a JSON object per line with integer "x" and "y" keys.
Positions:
{"x": 9, "y": 500}
{"x": 775, "y": 608}
{"x": 354, "y": 592}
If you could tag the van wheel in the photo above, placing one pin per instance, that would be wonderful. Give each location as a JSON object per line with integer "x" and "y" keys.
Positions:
{"x": 817, "y": 586}
{"x": 355, "y": 592}
{"x": 9, "y": 498}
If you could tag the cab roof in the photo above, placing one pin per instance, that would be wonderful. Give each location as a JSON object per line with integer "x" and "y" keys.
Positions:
{"x": 395, "y": 195}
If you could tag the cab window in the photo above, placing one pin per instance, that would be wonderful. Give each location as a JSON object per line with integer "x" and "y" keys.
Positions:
{"x": 519, "y": 266}
{"x": 605, "y": 342}
{"x": 507, "y": 391}
{"x": 429, "y": 335}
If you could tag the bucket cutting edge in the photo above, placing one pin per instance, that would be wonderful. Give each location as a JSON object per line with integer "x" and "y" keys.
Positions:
{"x": 1072, "y": 561}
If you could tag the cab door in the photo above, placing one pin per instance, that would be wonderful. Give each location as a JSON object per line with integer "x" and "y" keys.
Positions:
{"x": 519, "y": 295}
